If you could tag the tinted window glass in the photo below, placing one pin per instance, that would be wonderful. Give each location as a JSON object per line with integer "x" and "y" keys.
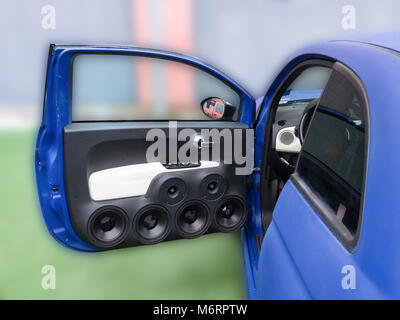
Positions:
{"x": 332, "y": 158}
{"x": 123, "y": 87}
{"x": 305, "y": 88}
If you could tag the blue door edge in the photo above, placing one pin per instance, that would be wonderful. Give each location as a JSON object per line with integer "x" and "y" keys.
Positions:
{"x": 248, "y": 266}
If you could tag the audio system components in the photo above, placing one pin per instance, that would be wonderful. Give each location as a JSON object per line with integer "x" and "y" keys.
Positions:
{"x": 108, "y": 226}
{"x": 132, "y": 180}
{"x": 172, "y": 191}
{"x": 287, "y": 140}
{"x": 118, "y": 204}
{"x": 192, "y": 219}
{"x": 212, "y": 187}
{"x": 178, "y": 206}
{"x": 230, "y": 214}
{"x": 152, "y": 224}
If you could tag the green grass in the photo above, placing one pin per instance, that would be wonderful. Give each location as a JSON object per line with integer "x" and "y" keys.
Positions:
{"x": 205, "y": 268}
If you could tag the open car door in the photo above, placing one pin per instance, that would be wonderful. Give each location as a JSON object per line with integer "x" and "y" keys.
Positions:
{"x": 139, "y": 146}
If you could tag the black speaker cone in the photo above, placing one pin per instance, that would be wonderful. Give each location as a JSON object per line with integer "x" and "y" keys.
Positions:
{"x": 172, "y": 191}
{"x": 108, "y": 226}
{"x": 107, "y": 223}
{"x": 212, "y": 187}
{"x": 152, "y": 224}
{"x": 230, "y": 214}
{"x": 192, "y": 219}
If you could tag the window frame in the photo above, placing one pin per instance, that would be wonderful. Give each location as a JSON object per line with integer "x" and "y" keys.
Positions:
{"x": 152, "y": 56}
{"x": 267, "y": 205}
{"x": 326, "y": 213}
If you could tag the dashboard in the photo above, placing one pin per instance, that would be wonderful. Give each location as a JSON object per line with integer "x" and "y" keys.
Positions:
{"x": 288, "y": 131}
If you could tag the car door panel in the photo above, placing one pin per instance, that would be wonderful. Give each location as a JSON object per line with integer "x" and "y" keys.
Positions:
{"x": 86, "y": 168}
{"x": 93, "y": 148}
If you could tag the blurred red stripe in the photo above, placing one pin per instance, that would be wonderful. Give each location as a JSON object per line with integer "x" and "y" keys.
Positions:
{"x": 176, "y": 34}
{"x": 141, "y": 37}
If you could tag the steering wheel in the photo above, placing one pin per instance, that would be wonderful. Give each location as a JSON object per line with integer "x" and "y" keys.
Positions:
{"x": 306, "y": 119}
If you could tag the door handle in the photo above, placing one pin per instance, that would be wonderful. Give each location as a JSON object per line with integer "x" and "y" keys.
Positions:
{"x": 206, "y": 144}
{"x": 199, "y": 143}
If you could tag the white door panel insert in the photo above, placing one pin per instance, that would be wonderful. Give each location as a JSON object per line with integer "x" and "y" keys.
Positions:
{"x": 132, "y": 180}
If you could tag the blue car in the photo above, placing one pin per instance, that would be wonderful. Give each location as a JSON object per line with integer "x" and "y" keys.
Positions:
{"x": 127, "y": 154}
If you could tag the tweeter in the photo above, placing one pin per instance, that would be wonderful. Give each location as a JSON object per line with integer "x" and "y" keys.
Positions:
{"x": 212, "y": 187}
{"x": 173, "y": 191}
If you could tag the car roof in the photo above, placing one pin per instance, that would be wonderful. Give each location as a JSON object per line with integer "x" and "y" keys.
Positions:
{"x": 388, "y": 40}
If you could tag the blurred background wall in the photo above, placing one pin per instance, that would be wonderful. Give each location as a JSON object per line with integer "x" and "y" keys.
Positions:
{"x": 248, "y": 40}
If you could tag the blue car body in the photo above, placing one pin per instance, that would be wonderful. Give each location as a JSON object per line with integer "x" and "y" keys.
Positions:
{"x": 300, "y": 257}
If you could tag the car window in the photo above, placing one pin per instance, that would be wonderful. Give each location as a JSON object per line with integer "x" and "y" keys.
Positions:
{"x": 307, "y": 86}
{"x": 333, "y": 155}
{"x": 126, "y": 87}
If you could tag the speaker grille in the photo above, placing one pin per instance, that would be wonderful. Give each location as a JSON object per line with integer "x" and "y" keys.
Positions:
{"x": 287, "y": 138}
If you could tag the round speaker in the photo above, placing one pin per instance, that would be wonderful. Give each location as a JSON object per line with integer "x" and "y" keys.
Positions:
{"x": 230, "y": 214}
{"x": 212, "y": 187}
{"x": 192, "y": 219}
{"x": 287, "y": 138}
{"x": 108, "y": 226}
{"x": 172, "y": 191}
{"x": 152, "y": 224}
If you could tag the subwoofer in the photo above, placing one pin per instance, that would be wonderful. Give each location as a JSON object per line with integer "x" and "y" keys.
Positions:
{"x": 230, "y": 214}
{"x": 172, "y": 191}
{"x": 212, "y": 187}
{"x": 192, "y": 219}
{"x": 152, "y": 224}
{"x": 108, "y": 226}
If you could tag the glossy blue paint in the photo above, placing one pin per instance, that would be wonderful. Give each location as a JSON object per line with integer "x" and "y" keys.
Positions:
{"x": 300, "y": 257}
{"x": 49, "y": 157}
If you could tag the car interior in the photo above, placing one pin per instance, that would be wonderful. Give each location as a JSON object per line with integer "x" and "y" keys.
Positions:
{"x": 289, "y": 117}
{"x": 316, "y": 129}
